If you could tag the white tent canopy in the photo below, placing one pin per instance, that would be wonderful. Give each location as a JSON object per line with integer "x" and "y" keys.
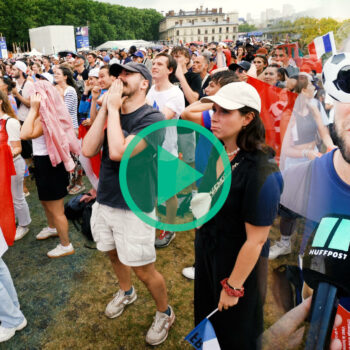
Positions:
{"x": 35, "y": 52}
{"x": 124, "y": 44}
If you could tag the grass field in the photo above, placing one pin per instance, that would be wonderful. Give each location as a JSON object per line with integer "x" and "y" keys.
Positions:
{"x": 64, "y": 299}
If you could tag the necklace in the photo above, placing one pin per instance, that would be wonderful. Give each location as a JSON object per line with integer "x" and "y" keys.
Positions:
{"x": 233, "y": 153}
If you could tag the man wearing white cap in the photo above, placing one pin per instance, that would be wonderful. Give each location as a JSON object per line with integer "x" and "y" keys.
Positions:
{"x": 23, "y": 90}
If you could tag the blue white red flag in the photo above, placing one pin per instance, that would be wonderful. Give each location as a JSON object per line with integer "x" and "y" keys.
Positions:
{"x": 203, "y": 337}
{"x": 322, "y": 44}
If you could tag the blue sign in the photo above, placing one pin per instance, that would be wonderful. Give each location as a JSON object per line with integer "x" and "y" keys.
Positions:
{"x": 3, "y": 48}
{"x": 82, "y": 37}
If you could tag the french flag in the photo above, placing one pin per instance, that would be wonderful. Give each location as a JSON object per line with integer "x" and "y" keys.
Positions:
{"x": 322, "y": 44}
{"x": 203, "y": 337}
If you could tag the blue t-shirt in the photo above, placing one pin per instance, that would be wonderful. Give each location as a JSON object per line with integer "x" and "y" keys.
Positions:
{"x": 329, "y": 194}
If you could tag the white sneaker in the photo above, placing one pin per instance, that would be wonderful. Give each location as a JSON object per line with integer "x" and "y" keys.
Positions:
{"x": 117, "y": 305}
{"x": 160, "y": 328}
{"x": 8, "y": 333}
{"x": 188, "y": 272}
{"x": 60, "y": 251}
{"x": 46, "y": 232}
{"x": 21, "y": 231}
{"x": 279, "y": 249}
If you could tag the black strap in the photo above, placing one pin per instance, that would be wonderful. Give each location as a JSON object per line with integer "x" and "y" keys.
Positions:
{"x": 221, "y": 178}
{"x": 20, "y": 91}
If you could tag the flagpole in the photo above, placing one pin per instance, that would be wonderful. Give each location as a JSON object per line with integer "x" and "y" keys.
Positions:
{"x": 211, "y": 314}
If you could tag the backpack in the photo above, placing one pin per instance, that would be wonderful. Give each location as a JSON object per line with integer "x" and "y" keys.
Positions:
{"x": 85, "y": 225}
{"x": 79, "y": 213}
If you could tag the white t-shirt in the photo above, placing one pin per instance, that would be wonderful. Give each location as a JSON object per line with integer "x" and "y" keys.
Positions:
{"x": 39, "y": 146}
{"x": 173, "y": 99}
{"x": 27, "y": 91}
{"x": 13, "y": 129}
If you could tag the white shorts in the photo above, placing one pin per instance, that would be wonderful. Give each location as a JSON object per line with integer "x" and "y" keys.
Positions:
{"x": 121, "y": 230}
{"x": 187, "y": 146}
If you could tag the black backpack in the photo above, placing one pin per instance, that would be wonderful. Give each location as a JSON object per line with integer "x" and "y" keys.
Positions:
{"x": 79, "y": 213}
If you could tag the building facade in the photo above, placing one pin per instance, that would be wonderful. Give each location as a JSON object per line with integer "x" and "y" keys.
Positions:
{"x": 201, "y": 25}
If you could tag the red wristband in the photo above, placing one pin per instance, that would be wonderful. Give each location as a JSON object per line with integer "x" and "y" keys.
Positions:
{"x": 230, "y": 291}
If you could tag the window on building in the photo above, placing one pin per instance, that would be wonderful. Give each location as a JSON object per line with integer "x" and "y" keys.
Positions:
{"x": 176, "y": 23}
{"x": 216, "y": 20}
{"x": 177, "y": 33}
{"x": 213, "y": 31}
{"x": 206, "y": 31}
{"x": 180, "y": 22}
{"x": 226, "y": 37}
{"x": 193, "y": 21}
{"x": 213, "y": 38}
{"x": 199, "y": 31}
{"x": 220, "y": 30}
{"x": 235, "y": 29}
{"x": 227, "y": 29}
{"x": 219, "y": 37}
{"x": 205, "y": 39}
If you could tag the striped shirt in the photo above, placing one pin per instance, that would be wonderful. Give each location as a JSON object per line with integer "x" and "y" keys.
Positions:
{"x": 71, "y": 102}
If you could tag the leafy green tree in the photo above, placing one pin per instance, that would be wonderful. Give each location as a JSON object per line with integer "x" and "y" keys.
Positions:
{"x": 243, "y": 28}
{"x": 105, "y": 21}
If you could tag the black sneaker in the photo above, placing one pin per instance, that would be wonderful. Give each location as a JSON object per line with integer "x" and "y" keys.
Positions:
{"x": 164, "y": 239}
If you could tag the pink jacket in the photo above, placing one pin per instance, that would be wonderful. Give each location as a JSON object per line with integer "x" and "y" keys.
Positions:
{"x": 57, "y": 126}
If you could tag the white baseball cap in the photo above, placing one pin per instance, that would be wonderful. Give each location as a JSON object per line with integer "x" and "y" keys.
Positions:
{"x": 94, "y": 72}
{"x": 114, "y": 61}
{"x": 21, "y": 66}
{"x": 236, "y": 95}
{"x": 47, "y": 76}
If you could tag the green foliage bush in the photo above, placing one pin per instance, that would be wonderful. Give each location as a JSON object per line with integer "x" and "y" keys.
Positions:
{"x": 105, "y": 21}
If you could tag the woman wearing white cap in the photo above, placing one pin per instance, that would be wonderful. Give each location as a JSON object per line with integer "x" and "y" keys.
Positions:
{"x": 229, "y": 245}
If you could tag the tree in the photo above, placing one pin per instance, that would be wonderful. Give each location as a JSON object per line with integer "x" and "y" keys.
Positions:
{"x": 243, "y": 28}
{"x": 106, "y": 21}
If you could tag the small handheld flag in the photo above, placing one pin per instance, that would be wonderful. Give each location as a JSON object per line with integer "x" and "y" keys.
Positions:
{"x": 322, "y": 44}
{"x": 203, "y": 337}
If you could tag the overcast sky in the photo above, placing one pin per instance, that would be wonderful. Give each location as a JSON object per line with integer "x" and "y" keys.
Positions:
{"x": 332, "y": 8}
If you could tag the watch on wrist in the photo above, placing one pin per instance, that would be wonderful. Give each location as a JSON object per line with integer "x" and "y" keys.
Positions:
{"x": 231, "y": 291}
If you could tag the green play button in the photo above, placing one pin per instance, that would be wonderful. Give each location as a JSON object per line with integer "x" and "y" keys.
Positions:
{"x": 155, "y": 176}
{"x": 173, "y": 175}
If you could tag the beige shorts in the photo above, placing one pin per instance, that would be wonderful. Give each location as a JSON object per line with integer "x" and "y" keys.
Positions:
{"x": 121, "y": 230}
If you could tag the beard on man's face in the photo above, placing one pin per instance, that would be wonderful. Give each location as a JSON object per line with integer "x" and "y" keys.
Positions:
{"x": 342, "y": 141}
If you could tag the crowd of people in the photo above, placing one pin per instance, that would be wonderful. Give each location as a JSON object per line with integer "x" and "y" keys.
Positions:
{"x": 64, "y": 118}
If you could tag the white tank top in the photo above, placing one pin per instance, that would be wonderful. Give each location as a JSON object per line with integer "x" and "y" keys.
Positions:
{"x": 39, "y": 146}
